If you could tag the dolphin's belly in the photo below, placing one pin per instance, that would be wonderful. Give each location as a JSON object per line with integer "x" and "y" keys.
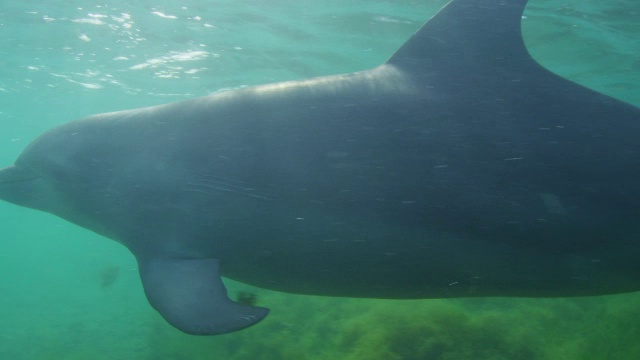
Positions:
{"x": 330, "y": 240}
{"x": 367, "y": 256}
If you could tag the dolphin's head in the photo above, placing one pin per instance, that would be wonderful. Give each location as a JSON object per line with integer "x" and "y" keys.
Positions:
{"x": 52, "y": 173}
{"x": 35, "y": 179}
{"x": 21, "y": 186}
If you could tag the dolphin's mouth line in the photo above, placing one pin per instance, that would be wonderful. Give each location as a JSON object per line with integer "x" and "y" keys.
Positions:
{"x": 15, "y": 174}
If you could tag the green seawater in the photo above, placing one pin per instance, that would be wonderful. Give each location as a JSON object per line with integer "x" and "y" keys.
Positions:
{"x": 67, "y": 293}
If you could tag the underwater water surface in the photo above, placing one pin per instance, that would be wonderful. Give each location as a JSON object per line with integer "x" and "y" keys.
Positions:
{"x": 67, "y": 293}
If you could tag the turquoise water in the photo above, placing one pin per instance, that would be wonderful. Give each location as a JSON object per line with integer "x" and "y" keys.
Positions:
{"x": 66, "y": 293}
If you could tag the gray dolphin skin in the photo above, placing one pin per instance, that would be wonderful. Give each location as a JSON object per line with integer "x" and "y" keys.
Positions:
{"x": 458, "y": 168}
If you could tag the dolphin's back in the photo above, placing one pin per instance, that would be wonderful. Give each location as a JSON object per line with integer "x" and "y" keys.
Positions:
{"x": 487, "y": 166}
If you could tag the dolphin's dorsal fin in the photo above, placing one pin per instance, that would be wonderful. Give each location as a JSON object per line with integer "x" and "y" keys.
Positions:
{"x": 190, "y": 295}
{"x": 466, "y": 34}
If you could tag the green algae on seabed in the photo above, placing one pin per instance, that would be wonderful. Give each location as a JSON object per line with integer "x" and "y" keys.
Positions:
{"x": 314, "y": 328}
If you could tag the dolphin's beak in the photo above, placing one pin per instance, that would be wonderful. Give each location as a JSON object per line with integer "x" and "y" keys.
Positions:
{"x": 18, "y": 185}
{"x": 14, "y": 173}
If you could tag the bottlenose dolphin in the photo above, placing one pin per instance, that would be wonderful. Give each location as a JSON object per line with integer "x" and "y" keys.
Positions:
{"x": 460, "y": 167}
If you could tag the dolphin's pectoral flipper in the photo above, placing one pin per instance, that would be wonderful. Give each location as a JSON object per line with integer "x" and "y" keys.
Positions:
{"x": 190, "y": 295}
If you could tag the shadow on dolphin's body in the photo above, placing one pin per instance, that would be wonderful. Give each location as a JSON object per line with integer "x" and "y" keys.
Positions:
{"x": 458, "y": 168}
